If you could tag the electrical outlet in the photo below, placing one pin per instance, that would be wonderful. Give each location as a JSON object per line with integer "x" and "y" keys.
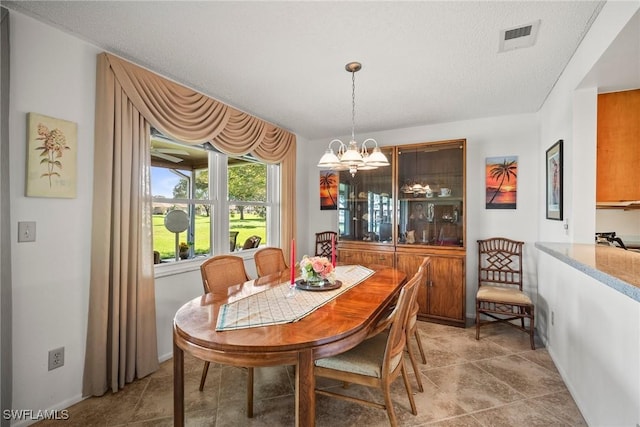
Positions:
{"x": 56, "y": 358}
{"x": 26, "y": 231}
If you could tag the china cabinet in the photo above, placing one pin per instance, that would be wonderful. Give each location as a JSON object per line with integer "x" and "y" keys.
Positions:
{"x": 397, "y": 215}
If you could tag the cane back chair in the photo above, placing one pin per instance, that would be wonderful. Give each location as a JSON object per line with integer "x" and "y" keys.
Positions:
{"x": 220, "y": 275}
{"x": 500, "y": 297}
{"x": 269, "y": 261}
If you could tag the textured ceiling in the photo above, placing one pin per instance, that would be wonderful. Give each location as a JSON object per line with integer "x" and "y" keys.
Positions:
{"x": 423, "y": 62}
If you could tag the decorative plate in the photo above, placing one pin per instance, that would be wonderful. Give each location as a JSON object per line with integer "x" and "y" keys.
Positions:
{"x": 323, "y": 286}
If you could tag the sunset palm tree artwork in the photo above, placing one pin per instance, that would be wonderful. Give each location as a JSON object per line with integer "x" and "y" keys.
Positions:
{"x": 328, "y": 190}
{"x": 501, "y": 182}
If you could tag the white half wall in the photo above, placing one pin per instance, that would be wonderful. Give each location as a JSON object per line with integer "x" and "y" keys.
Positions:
{"x": 594, "y": 341}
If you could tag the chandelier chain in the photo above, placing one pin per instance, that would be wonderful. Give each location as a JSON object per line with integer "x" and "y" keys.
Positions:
{"x": 349, "y": 156}
{"x": 353, "y": 105}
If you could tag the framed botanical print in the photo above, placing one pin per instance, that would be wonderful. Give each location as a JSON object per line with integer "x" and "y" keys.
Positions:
{"x": 51, "y": 157}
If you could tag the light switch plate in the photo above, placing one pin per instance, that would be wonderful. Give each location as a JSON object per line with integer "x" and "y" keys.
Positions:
{"x": 26, "y": 231}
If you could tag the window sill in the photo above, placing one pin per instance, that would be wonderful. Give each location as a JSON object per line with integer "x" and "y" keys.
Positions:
{"x": 179, "y": 267}
{"x": 185, "y": 266}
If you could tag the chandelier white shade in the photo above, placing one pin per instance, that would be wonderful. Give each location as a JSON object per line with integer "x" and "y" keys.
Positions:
{"x": 352, "y": 157}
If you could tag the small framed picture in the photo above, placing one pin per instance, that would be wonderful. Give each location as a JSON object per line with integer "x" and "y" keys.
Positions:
{"x": 328, "y": 190}
{"x": 51, "y": 157}
{"x": 554, "y": 181}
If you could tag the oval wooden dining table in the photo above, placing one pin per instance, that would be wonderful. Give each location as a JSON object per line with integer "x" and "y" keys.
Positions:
{"x": 333, "y": 328}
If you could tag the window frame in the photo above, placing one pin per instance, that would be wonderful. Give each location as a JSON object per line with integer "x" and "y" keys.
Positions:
{"x": 219, "y": 204}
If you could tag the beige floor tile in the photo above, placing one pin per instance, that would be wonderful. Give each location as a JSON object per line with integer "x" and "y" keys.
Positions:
{"x": 527, "y": 377}
{"x": 462, "y": 421}
{"x": 471, "y": 387}
{"x": 541, "y": 357}
{"x": 496, "y": 381}
{"x": 466, "y": 346}
{"x": 561, "y": 406}
{"x": 520, "y": 413}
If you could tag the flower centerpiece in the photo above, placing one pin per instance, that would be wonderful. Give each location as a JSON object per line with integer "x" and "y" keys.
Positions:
{"x": 315, "y": 270}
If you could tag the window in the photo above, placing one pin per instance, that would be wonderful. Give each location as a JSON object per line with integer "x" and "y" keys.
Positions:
{"x": 204, "y": 183}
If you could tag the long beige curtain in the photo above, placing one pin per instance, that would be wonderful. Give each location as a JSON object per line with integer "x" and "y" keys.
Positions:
{"x": 121, "y": 332}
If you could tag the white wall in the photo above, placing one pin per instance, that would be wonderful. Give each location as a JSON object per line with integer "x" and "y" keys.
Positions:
{"x": 593, "y": 341}
{"x": 51, "y": 74}
{"x": 497, "y": 136}
{"x": 569, "y": 114}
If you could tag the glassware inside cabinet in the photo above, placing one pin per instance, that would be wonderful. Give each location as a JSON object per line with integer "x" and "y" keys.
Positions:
{"x": 431, "y": 194}
{"x": 365, "y": 204}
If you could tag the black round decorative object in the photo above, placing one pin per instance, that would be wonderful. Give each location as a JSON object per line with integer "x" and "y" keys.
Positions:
{"x": 325, "y": 285}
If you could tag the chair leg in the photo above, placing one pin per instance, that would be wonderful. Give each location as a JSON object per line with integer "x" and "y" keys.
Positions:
{"x": 417, "y": 335}
{"x": 414, "y": 365}
{"x": 389, "y": 403}
{"x": 205, "y": 369}
{"x": 531, "y": 331}
{"x": 407, "y": 386}
{"x": 250, "y": 392}
{"x": 477, "y": 321}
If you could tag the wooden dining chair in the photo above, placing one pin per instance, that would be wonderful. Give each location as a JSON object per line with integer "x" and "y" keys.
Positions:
{"x": 412, "y": 326}
{"x": 221, "y": 276}
{"x": 252, "y": 242}
{"x": 377, "y": 361}
{"x": 269, "y": 261}
{"x": 323, "y": 243}
{"x": 500, "y": 297}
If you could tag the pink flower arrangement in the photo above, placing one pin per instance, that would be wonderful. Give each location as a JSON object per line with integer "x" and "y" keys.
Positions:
{"x": 316, "y": 268}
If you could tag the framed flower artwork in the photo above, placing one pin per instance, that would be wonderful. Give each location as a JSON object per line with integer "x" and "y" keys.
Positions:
{"x": 51, "y": 157}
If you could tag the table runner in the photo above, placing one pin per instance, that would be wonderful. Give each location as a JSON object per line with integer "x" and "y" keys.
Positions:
{"x": 282, "y": 304}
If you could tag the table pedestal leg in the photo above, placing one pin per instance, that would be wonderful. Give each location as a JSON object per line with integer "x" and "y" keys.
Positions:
{"x": 178, "y": 386}
{"x": 305, "y": 391}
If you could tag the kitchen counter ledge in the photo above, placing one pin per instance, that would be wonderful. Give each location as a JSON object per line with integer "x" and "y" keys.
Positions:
{"x": 614, "y": 267}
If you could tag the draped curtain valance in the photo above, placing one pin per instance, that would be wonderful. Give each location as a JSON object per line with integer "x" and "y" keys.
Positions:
{"x": 121, "y": 330}
{"x": 195, "y": 118}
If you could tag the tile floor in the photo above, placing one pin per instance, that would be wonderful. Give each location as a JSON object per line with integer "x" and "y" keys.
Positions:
{"x": 497, "y": 381}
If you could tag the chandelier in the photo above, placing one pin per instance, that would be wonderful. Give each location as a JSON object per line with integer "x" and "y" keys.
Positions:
{"x": 352, "y": 157}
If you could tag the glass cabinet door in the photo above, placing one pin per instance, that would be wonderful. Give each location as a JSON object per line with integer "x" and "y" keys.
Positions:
{"x": 365, "y": 204}
{"x": 430, "y": 190}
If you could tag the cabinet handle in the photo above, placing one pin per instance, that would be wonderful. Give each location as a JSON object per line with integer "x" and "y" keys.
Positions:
{"x": 431, "y": 283}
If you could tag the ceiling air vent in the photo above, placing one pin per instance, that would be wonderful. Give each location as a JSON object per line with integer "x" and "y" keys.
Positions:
{"x": 519, "y": 37}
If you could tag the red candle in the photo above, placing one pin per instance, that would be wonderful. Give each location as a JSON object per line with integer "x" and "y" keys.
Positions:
{"x": 333, "y": 250}
{"x": 292, "y": 262}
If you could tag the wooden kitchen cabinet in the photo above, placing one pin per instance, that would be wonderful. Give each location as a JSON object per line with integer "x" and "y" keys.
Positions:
{"x": 395, "y": 216}
{"x": 618, "y": 147}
